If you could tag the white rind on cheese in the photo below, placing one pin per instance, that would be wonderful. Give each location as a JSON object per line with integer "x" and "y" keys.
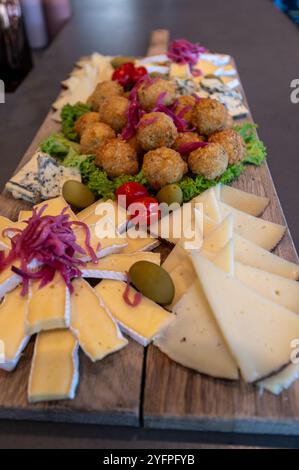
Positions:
{"x": 194, "y": 339}
{"x": 258, "y": 332}
{"x": 261, "y": 232}
{"x": 281, "y": 381}
{"x": 243, "y": 201}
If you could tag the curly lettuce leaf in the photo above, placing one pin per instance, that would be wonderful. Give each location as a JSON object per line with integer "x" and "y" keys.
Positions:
{"x": 57, "y": 146}
{"x": 256, "y": 151}
{"x": 69, "y": 115}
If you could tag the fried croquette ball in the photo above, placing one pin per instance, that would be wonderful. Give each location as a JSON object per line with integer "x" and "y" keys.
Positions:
{"x": 151, "y": 90}
{"x": 163, "y": 166}
{"x": 84, "y": 121}
{"x": 114, "y": 112}
{"x": 210, "y": 161}
{"x": 156, "y": 130}
{"x": 186, "y": 138}
{"x": 117, "y": 158}
{"x": 232, "y": 143}
{"x": 184, "y": 107}
{"x": 94, "y": 136}
{"x": 229, "y": 122}
{"x": 102, "y": 91}
{"x": 209, "y": 116}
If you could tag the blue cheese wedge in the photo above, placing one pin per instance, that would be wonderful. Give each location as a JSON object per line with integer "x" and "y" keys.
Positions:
{"x": 52, "y": 176}
{"x": 24, "y": 184}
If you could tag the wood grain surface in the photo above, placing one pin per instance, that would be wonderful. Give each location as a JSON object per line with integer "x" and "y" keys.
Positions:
{"x": 137, "y": 386}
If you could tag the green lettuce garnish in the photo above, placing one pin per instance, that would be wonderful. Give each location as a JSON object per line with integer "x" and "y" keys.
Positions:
{"x": 69, "y": 115}
{"x": 256, "y": 151}
{"x": 57, "y": 146}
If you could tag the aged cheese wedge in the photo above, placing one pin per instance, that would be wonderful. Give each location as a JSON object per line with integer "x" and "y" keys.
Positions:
{"x": 282, "y": 380}
{"x": 253, "y": 255}
{"x": 220, "y": 236}
{"x": 279, "y": 289}
{"x": 117, "y": 266}
{"x": 261, "y": 232}
{"x": 24, "y": 215}
{"x": 97, "y": 332}
{"x": 13, "y": 337}
{"x": 225, "y": 258}
{"x": 177, "y": 256}
{"x": 11, "y": 229}
{"x": 8, "y": 280}
{"x": 179, "y": 70}
{"x": 258, "y": 332}
{"x": 49, "y": 307}
{"x": 210, "y": 204}
{"x": 183, "y": 276}
{"x": 54, "y": 370}
{"x": 146, "y": 243}
{"x": 143, "y": 322}
{"x": 102, "y": 246}
{"x": 243, "y": 201}
{"x": 193, "y": 338}
{"x": 110, "y": 209}
{"x": 55, "y": 206}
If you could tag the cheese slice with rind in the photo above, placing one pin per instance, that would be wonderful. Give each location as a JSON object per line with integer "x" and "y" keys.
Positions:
{"x": 144, "y": 242}
{"x": 110, "y": 209}
{"x": 242, "y": 200}
{"x": 143, "y": 322}
{"x": 194, "y": 339}
{"x": 253, "y": 255}
{"x": 13, "y": 336}
{"x": 261, "y": 232}
{"x": 54, "y": 370}
{"x": 183, "y": 276}
{"x": 117, "y": 266}
{"x": 281, "y": 381}
{"x": 210, "y": 203}
{"x": 49, "y": 307}
{"x": 220, "y": 236}
{"x": 24, "y": 215}
{"x": 55, "y": 206}
{"x": 258, "y": 332}
{"x": 9, "y": 280}
{"x": 92, "y": 324}
{"x": 102, "y": 246}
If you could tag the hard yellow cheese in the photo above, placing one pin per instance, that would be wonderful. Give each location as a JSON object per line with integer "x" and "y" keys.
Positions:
{"x": 110, "y": 209}
{"x": 258, "y": 332}
{"x": 54, "y": 370}
{"x": 220, "y": 236}
{"x": 243, "y": 201}
{"x": 225, "y": 258}
{"x": 55, "y": 206}
{"x": 95, "y": 329}
{"x": 101, "y": 246}
{"x": 142, "y": 322}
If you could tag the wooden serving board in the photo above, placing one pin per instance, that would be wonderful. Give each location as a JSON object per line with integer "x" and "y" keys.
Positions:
{"x": 140, "y": 386}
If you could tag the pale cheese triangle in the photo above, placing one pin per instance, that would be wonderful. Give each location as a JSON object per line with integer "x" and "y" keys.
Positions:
{"x": 177, "y": 256}
{"x": 142, "y": 322}
{"x": 116, "y": 266}
{"x": 102, "y": 246}
{"x": 243, "y": 201}
{"x": 54, "y": 370}
{"x": 142, "y": 243}
{"x": 208, "y": 225}
{"x": 49, "y": 307}
{"x": 92, "y": 324}
{"x": 253, "y": 255}
{"x": 258, "y": 331}
{"x": 13, "y": 337}
{"x": 55, "y": 206}
{"x": 225, "y": 259}
{"x": 110, "y": 209}
{"x": 193, "y": 338}
{"x": 24, "y": 215}
{"x": 220, "y": 236}
{"x": 262, "y": 232}
{"x": 210, "y": 204}
{"x": 183, "y": 276}
{"x": 282, "y": 380}
{"x": 279, "y": 289}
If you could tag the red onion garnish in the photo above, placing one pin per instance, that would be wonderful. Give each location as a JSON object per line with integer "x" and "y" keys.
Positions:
{"x": 137, "y": 296}
{"x": 190, "y": 146}
{"x": 183, "y": 51}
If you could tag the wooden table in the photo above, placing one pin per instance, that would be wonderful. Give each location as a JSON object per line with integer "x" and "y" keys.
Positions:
{"x": 67, "y": 33}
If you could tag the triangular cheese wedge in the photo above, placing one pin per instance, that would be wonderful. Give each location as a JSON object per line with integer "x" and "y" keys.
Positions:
{"x": 258, "y": 331}
{"x": 253, "y": 255}
{"x": 208, "y": 225}
{"x": 142, "y": 243}
{"x": 117, "y": 266}
{"x": 99, "y": 209}
{"x": 55, "y": 206}
{"x": 243, "y": 201}
{"x": 225, "y": 259}
{"x": 9, "y": 280}
{"x": 49, "y": 307}
{"x": 24, "y": 215}
{"x": 54, "y": 370}
{"x": 194, "y": 340}
{"x": 102, "y": 246}
{"x": 279, "y": 289}
{"x": 183, "y": 276}
{"x": 219, "y": 237}
{"x": 210, "y": 204}
{"x": 176, "y": 257}
{"x": 97, "y": 332}
{"x": 282, "y": 380}
{"x": 142, "y": 322}
{"x": 13, "y": 337}
{"x": 261, "y": 232}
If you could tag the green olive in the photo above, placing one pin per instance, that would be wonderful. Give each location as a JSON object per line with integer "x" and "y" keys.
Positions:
{"x": 170, "y": 193}
{"x": 77, "y": 194}
{"x": 118, "y": 61}
{"x": 152, "y": 281}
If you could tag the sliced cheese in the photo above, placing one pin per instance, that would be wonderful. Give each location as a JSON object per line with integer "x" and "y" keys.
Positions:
{"x": 9, "y": 280}
{"x": 253, "y": 255}
{"x": 141, "y": 243}
{"x": 225, "y": 259}
{"x": 117, "y": 266}
{"x": 179, "y": 70}
{"x": 220, "y": 236}
{"x": 194, "y": 340}
{"x": 24, "y": 215}
{"x": 101, "y": 246}
{"x": 261, "y": 232}
{"x": 49, "y": 307}
{"x": 97, "y": 332}
{"x": 54, "y": 370}
{"x": 55, "y": 206}
{"x": 258, "y": 332}
{"x": 13, "y": 337}
{"x": 142, "y": 322}
{"x": 177, "y": 256}
{"x": 279, "y": 289}
{"x": 110, "y": 209}
{"x": 210, "y": 204}
{"x": 183, "y": 276}
{"x": 282, "y": 380}
{"x": 243, "y": 201}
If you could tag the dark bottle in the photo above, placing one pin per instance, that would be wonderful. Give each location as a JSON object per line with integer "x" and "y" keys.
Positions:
{"x": 15, "y": 55}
